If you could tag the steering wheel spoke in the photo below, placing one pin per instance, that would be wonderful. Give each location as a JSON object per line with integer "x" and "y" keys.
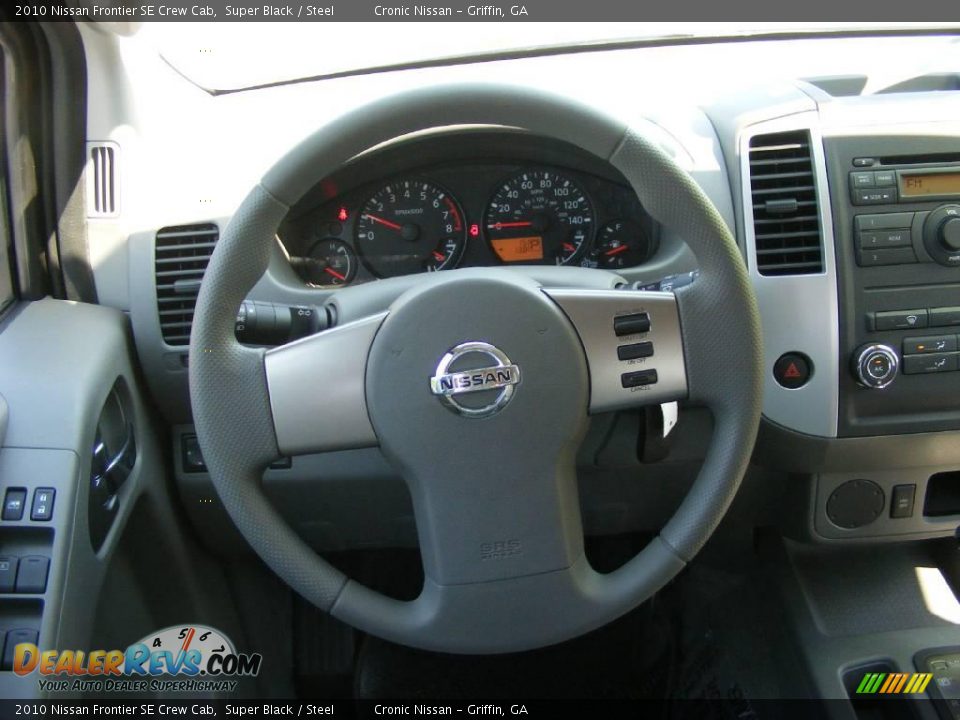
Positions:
{"x": 316, "y": 389}
{"x": 633, "y": 344}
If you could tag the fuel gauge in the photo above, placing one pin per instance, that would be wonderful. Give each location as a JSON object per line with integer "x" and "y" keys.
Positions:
{"x": 620, "y": 244}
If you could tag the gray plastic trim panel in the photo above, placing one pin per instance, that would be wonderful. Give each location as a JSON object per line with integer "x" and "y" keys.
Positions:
{"x": 317, "y": 393}
{"x": 799, "y": 313}
{"x": 592, "y": 313}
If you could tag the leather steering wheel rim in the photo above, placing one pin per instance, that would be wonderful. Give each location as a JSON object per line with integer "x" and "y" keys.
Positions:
{"x": 722, "y": 353}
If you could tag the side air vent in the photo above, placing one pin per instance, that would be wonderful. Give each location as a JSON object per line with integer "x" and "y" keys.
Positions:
{"x": 182, "y": 254}
{"x": 786, "y": 220}
{"x": 103, "y": 199}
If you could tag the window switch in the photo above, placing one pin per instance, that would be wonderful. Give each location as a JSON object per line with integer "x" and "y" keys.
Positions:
{"x": 901, "y": 501}
{"x": 13, "y": 503}
{"x": 14, "y": 638}
{"x": 32, "y": 575}
{"x": 42, "y": 508}
{"x": 191, "y": 454}
{"x": 8, "y": 573}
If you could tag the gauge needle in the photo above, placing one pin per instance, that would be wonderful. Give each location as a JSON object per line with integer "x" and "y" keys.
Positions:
{"x": 439, "y": 256}
{"x": 500, "y": 225}
{"x": 616, "y": 250}
{"x": 569, "y": 247}
{"x": 334, "y": 273}
{"x": 391, "y": 225}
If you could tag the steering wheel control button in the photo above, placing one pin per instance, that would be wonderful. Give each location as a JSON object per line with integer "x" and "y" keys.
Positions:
{"x": 42, "y": 507}
{"x": 929, "y": 344}
{"x": 902, "y": 500}
{"x": 475, "y": 379}
{"x": 633, "y": 324}
{"x": 640, "y": 378}
{"x": 930, "y": 363}
{"x": 792, "y": 370}
{"x": 876, "y": 366}
{"x": 32, "y": 575}
{"x": 13, "y": 503}
{"x": 900, "y": 319}
{"x": 635, "y": 351}
{"x": 855, "y": 503}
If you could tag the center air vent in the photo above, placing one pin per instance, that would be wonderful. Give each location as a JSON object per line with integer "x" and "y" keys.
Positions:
{"x": 786, "y": 219}
{"x": 182, "y": 254}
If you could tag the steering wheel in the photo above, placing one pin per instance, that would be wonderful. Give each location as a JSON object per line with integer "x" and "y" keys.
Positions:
{"x": 477, "y": 385}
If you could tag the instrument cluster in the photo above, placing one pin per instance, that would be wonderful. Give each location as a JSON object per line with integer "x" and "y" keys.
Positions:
{"x": 469, "y": 215}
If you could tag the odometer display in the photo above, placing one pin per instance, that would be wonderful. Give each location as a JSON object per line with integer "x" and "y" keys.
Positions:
{"x": 409, "y": 226}
{"x": 541, "y": 217}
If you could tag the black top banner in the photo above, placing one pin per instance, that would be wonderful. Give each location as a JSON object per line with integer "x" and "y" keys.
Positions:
{"x": 319, "y": 11}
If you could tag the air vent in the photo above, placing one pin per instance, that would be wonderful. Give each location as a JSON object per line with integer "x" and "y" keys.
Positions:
{"x": 182, "y": 254}
{"x": 786, "y": 220}
{"x": 102, "y": 188}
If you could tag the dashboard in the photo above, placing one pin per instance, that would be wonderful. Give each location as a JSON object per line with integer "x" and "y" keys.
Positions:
{"x": 842, "y": 194}
{"x": 504, "y": 200}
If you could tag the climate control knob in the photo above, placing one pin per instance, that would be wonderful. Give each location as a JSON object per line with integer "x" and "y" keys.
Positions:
{"x": 876, "y": 366}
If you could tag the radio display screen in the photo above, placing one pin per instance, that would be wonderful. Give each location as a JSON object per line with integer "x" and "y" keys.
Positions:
{"x": 923, "y": 184}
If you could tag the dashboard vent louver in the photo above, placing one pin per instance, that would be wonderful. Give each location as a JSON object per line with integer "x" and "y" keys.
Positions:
{"x": 786, "y": 219}
{"x": 182, "y": 255}
{"x": 102, "y": 187}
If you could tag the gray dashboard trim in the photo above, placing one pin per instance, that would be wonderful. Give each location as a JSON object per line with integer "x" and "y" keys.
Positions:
{"x": 800, "y": 313}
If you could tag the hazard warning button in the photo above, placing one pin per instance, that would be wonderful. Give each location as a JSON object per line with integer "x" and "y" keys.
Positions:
{"x": 792, "y": 370}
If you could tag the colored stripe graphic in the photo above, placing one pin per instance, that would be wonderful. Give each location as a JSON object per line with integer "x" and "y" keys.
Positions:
{"x": 893, "y": 683}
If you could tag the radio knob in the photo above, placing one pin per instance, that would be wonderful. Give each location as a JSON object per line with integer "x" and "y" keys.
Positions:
{"x": 941, "y": 235}
{"x": 876, "y": 366}
{"x": 949, "y": 233}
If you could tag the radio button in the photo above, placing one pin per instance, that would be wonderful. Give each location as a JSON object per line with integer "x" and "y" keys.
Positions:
{"x": 899, "y": 319}
{"x": 932, "y": 363}
{"x": 944, "y": 316}
{"x": 929, "y": 344}
{"x": 885, "y": 178}
{"x": 885, "y": 239}
{"x": 864, "y": 162}
{"x": 879, "y": 196}
{"x": 895, "y": 256}
{"x": 885, "y": 221}
{"x": 862, "y": 180}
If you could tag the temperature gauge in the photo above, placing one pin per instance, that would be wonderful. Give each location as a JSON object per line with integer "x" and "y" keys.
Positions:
{"x": 620, "y": 244}
{"x": 331, "y": 263}
{"x": 446, "y": 255}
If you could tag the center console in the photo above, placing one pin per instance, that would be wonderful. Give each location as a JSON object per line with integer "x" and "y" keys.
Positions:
{"x": 896, "y": 212}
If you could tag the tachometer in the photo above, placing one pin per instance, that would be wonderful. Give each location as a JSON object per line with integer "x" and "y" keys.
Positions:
{"x": 540, "y": 217}
{"x": 409, "y": 226}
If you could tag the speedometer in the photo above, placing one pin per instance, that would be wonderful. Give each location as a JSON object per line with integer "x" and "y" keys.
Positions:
{"x": 409, "y": 226}
{"x": 541, "y": 217}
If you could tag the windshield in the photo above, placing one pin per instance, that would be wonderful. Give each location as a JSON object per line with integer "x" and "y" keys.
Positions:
{"x": 232, "y": 56}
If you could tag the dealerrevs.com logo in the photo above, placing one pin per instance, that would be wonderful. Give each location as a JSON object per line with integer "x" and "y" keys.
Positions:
{"x": 184, "y": 658}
